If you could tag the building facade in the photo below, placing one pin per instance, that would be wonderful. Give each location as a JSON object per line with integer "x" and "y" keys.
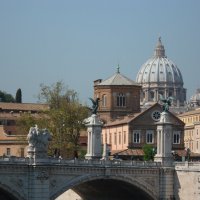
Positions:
{"x": 118, "y": 95}
{"x": 161, "y": 76}
{"x": 192, "y": 130}
{"x": 134, "y": 131}
{"x": 12, "y": 140}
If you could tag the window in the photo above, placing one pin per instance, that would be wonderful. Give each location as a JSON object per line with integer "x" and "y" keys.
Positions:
{"x": 119, "y": 137}
{"x": 115, "y": 138}
{"x": 8, "y": 151}
{"x": 152, "y": 95}
{"x": 176, "y": 137}
{"x": 124, "y": 137}
{"x": 22, "y": 152}
{"x": 149, "y": 137}
{"x": 136, "y": 136}
{"x": 121, "y": 100}
{"x": 104, "y": 100}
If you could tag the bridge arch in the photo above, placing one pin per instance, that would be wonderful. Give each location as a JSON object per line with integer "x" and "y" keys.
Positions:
{"x": 146, "y": 188}
{"x": 10, "y": 193}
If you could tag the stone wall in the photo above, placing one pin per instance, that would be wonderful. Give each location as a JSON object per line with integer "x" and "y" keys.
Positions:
{"x": 187, "y": 181}
{"x": 69, "y": 194}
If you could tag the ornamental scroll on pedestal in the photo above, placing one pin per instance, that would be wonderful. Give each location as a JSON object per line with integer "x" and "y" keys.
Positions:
{"x": 38, "y": 140}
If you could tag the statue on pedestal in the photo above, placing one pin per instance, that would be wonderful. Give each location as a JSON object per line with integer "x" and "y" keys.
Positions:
{"x": 94, "y": 127}
{"x": 38, "y": 140}
{"x": 95, "y": 105}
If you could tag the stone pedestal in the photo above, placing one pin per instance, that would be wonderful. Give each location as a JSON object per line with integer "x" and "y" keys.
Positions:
{"x": 94, "y": 127}
{"x": 166, "y": 183}
{"x": 105, "y": 155}
{"x": 164, "y": 156}
{"x": 164, "y": 140}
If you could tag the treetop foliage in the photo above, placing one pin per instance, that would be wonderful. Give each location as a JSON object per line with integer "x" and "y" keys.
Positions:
{"x": 5, "y": 97}
{"x": 149, "y": 152}
{"x": 56, "y": 94}
{"x": 18, "y": 97}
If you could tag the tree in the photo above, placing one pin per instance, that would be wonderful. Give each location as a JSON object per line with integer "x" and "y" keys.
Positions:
{"x": 18, "y": 97}
{"x": 148, "y": 152}
{"x": 5, "y": 97}
{"x": 63, "y": 119}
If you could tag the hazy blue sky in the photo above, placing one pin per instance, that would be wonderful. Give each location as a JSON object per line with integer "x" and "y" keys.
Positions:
{"x": 79, "y": 41}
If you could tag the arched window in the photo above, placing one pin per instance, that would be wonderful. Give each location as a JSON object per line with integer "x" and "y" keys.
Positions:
{"x": 149, "y": 137}
{"x": 136, "y": 136}
{"x": 104, "y": 100}
{"x": 176, "y": 138}
{"x": 121, "y": 100}
{"x": 152, "y": 95}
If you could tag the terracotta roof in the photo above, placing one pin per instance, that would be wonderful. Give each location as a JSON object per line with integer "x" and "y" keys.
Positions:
{"x": 24, "y": 106}
{"x": 128, "y": 118}
{"x": 122, "y": 120}
{"x": 118, "y": 79}
{"x": 129, "y": 152}
{"x": 181, "y": 152}
{"x": 184, "y": 153}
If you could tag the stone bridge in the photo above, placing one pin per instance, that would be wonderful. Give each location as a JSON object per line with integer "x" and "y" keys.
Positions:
{"x": 25, "y": 179}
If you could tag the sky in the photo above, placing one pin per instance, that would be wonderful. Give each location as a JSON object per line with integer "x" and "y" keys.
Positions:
{"x": 79, "y": 41}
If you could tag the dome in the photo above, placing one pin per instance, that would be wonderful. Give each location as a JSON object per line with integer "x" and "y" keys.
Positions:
{"x": 160, "y": 75}
{"x": 159, "y": 69}
{"x": 195, "y": 99}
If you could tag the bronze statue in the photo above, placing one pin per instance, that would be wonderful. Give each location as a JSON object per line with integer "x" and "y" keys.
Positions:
{"x": 95, "y": 105}
{"x": 166, "y": 102}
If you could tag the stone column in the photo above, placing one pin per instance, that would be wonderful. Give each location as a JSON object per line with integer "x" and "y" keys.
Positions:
{"x": 164, "y": 140}
{"x": 94, "y": 127}
{"x": 164, "y": 156}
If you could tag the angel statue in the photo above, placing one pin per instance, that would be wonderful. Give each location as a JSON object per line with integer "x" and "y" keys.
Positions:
{"x": 95, "y": 105}
{"x": 166, "y": 102}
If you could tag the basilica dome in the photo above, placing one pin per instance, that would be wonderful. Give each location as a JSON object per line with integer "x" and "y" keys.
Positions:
{"x": 160, "y": 75}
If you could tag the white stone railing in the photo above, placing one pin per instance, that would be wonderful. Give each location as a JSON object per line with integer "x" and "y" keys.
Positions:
{"x": 13, "y": 160}
{"x": 118, "y": 163}
{"x": 187, "y": 165}
{"x": 79, "y": 162}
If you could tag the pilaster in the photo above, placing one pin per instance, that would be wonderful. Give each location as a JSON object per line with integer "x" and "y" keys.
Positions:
{"x": 38, "y": 183}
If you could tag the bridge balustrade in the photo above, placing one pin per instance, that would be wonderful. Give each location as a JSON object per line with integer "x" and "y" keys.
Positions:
{"x": 81, "y": 162}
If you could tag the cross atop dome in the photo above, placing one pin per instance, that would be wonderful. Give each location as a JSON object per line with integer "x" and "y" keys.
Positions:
{"x": 118, "y": 69}
{"x": 160, "y": 50}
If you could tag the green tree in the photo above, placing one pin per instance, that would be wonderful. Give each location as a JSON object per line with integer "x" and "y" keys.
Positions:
{"x": 148, "y": 152}
{"x": 63, "y": 119}
{"x": 5, "y": 97}
{"x": 18, "y": 97}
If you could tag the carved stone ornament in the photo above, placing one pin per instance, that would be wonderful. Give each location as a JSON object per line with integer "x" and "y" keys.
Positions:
{"x": 42, "y": 176}
{"x": 38, "y": 140}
